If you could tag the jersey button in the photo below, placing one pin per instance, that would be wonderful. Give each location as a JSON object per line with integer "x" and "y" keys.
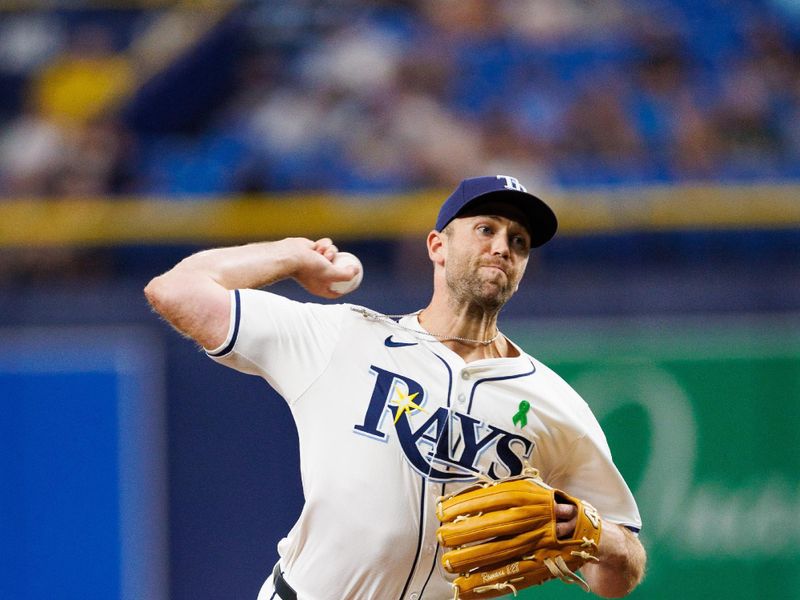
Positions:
{"x": 465, "y": 375}
{"x": 462, "y": 398}
{"x": 414, "y": 596}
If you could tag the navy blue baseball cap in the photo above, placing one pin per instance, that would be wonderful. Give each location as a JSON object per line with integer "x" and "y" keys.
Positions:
{"x": 541, "y": 219}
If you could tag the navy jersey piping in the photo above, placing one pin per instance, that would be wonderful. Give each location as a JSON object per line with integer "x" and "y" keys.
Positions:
{"x": 422, "y": 505}
{"x": 421, "y": 525}
{"x": 236, "y": 319}
{"x": 504, "y": 377}
{"x": 436, "y": 551}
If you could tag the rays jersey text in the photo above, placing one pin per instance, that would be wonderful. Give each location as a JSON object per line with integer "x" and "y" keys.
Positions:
{"x": 439, "y": 442}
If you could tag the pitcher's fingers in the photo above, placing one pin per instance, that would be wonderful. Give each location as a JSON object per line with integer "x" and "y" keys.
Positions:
{"x": 330, "y": 252}
{"x": 326, "y": 248}
{"x": 565, "y": 512}
{"x": 565, "y": 529}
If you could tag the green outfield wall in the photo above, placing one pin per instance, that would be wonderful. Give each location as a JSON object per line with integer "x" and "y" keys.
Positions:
{"x": 703, "y": 419}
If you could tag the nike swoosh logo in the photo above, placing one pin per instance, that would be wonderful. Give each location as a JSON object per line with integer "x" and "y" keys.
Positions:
{"x": 390, "y": 343}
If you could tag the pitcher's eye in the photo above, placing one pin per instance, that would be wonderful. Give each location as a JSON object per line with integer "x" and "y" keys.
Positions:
{"x": 520, "y": 242}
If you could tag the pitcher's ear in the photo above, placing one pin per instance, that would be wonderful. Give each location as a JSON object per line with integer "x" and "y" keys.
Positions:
{"x": 437, "y": 242}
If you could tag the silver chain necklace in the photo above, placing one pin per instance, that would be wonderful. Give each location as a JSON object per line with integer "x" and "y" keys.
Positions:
{"x": 376, "y": 316}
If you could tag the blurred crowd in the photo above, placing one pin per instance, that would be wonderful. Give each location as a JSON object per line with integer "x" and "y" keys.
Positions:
{"x": 387, "y": 96}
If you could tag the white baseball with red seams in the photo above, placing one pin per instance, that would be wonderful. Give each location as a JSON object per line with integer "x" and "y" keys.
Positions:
{"x": 345, "y": 259}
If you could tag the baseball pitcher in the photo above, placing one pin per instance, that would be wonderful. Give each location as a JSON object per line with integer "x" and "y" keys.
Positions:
{"x": 439, "y": 460}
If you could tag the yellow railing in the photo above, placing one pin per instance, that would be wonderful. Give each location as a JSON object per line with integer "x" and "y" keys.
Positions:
{"x": 119, "y": 221}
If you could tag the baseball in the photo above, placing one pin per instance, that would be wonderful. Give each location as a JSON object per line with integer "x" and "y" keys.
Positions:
{"x": 345, "y": 259}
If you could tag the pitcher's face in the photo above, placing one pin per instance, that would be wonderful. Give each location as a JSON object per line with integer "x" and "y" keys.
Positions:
{"x": 486, "y": 255}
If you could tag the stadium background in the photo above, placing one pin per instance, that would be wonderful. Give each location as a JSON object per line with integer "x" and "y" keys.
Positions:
{"x": 666, "y": 133}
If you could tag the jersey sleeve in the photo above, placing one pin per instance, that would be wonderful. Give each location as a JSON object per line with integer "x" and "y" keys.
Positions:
{"x": 286, "y": 342}
{"x": 590, "y": 474}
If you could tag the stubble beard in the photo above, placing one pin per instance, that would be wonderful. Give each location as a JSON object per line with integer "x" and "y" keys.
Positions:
{"x": 469, "y": 288}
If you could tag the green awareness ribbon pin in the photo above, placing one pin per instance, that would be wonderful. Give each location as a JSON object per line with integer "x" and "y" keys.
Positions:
{"x": 521, "y": 418}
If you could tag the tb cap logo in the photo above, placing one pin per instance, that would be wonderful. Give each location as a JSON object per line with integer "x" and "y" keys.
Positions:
{"x": 512, "y": 183}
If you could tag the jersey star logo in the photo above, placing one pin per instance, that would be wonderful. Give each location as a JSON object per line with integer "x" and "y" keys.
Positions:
{"x": 405, "y": 404}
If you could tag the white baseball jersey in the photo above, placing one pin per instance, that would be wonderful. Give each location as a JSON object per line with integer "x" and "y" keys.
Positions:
{"x": 387, "y": 420}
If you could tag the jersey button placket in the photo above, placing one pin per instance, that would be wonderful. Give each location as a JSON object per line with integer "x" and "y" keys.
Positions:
{"x": 461, "y": 398}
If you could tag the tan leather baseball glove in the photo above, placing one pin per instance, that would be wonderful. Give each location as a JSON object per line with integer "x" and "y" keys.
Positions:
{"x": 500, "y": 536}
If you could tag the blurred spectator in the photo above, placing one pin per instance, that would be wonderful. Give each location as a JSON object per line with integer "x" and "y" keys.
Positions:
{"x": 98, "y": 159}
{"x": 31, "y": 153}
{"x": 551, "y": 21}
{"x": 28, "y": 40}
{"x": 84, "y": 82}
{"x": 508, "y": 149}
{"x": 598, "y": 138}
{"x": 695, "y": 152}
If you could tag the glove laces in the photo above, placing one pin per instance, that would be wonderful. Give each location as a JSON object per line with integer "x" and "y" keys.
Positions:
{"x": 558, "y": 568}
{"x": 482, "y": 589}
